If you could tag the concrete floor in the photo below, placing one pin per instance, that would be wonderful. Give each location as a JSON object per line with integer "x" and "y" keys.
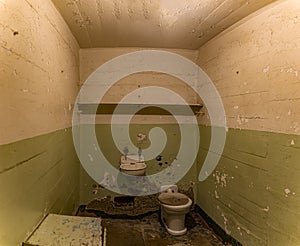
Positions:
{"x": 148, "y": 231}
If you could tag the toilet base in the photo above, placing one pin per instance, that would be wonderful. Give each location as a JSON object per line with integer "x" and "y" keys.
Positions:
{"x": 173, "y": 232}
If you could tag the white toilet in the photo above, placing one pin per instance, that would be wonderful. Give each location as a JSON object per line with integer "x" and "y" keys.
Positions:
{"x": 174, "y": 207}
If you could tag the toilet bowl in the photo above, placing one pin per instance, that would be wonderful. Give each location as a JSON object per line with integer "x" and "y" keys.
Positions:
{"x": 174, "y": 207}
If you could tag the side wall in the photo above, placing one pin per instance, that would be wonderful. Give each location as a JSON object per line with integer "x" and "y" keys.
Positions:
{"x": 39, "y": 78}
{"x": 254, "y": 193}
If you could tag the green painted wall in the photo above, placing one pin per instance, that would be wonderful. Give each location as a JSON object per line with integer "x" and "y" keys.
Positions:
{"x": 254, "y": 194}
{"x": 88, "y": 186}
{"x": 37, "y": 176}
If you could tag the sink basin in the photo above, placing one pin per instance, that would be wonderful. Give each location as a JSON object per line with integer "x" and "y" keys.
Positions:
{"x": 136, "y": 169}
{"x": 131, "y": 165}
{"x": 129, "y": 159}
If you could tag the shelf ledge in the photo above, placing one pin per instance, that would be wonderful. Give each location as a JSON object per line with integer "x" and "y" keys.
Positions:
{"x": 140, "y": 109}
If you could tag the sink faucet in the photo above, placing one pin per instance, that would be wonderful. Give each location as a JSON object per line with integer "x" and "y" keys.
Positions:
{"x": 140, "y": 153}
{"x": 126, "y": 150}
{"x": 140, "y": 139}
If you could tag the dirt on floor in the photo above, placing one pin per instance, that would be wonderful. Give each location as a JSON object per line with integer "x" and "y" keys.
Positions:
{"x": 135, "y": 221}
{"x": 129, "y": 206}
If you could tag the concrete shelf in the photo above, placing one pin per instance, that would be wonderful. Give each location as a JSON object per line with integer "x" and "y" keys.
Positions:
{"x": 140, "y": 109}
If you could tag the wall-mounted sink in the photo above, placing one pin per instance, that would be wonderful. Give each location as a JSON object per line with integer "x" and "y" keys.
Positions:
{"x": 133, "y": 165}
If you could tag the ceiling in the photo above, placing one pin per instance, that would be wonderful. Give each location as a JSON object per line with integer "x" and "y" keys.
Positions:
{"x": 183, "y": 24}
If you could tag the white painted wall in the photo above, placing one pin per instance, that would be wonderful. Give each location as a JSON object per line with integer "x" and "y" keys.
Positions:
{"x": 39, "y": 70}
{"x": 255, "y": 65}
{"x": 91, "y": 59}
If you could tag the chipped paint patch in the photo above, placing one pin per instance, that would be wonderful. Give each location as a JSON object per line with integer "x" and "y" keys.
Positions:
{"x": 217, "y": 195}
{"x": 266, "y": 209}
{"x": 292, "y": 70}
{"x": 221, "y": 178}
{"x": 225, "y": 224}
{"x": 287, "y": 191}
{"x": 266, "y": 69}
{"x": 295, "y": 127}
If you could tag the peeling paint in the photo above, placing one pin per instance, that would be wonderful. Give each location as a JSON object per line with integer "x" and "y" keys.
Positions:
{"x": 223, "y": 180}
{"x": 239, "y": 120}
{"x": 296, "y": 127}
{"x": 292, "y": 70}
{"x": 266, "y": 69}
{"x": 287, "y": 191}
{"x": 220, "y": 178}
{"x": 266, "y": 209}
{"x": 225, "y": 224}
{"x": 217, "y": 195}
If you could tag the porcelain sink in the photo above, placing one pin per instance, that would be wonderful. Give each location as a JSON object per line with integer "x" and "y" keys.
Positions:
{"x": 133, "y": 165}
